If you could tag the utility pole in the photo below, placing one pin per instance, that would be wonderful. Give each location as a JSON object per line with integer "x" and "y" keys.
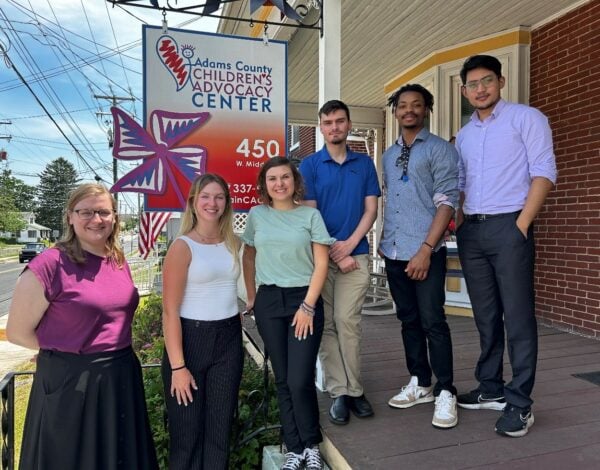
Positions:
{"x": 114, "y": 100}
{"x": 6, "y": 136}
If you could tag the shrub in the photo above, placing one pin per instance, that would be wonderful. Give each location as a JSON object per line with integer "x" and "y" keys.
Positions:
{"x": 148, "y": 343}
{"x": 251, "y": 425}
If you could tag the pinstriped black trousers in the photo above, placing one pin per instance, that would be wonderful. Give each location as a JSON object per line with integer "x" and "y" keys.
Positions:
{"x": 199, "y": 433}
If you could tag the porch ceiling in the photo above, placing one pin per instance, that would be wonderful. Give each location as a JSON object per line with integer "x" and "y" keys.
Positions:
{"x": 383, "y": 38}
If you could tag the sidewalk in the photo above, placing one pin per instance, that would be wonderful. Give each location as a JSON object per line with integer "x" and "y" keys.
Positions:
{"x": 11, "y": 355}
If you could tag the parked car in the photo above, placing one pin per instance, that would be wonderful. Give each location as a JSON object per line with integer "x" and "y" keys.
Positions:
{"x": 30, "y": 251}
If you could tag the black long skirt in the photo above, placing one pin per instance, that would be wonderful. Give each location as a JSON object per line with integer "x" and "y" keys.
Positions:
{"x": 87, "y": 411}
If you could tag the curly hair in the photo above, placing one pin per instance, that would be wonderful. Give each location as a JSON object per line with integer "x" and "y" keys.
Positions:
{"x": 427, "y": 96}
{"x": 261, "y": 183}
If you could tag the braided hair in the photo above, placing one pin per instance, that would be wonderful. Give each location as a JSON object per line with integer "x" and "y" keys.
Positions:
{"x": 427, "y": 96}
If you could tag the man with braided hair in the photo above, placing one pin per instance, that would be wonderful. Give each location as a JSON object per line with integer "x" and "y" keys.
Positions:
{"x": 421, "y": 184}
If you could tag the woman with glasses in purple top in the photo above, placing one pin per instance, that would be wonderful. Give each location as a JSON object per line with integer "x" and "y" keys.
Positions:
{"x": 75, "y": 303}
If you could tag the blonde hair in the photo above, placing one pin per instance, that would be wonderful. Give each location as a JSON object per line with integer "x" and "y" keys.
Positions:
{"x": 189, "y": 220}
{"x": 69, "y": 242}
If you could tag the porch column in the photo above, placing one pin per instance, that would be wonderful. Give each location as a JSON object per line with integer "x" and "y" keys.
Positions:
{"x": 330, "y": 61}
{"x": 330, "y": 64}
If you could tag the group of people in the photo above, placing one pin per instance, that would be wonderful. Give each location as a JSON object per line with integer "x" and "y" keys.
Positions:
{"x": 305, "y": 263}
{"x": 495, "y": 181}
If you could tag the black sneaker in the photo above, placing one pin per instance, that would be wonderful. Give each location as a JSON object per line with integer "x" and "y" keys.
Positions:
{"x": 515, "y": 421}
{"x": 477, "y": 400}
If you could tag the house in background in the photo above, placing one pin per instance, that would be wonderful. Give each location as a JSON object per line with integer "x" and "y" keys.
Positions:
{"x": 32, "y": 232}
{"x": 550, "y": 52}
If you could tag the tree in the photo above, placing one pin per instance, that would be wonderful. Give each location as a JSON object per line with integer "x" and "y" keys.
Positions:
{"x": 56, "y": 182}
{"x": 10, "y": 219}
{"x": 22, "y": 195}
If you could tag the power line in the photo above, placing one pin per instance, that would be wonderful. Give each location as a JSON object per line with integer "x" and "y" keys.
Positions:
{"x": 31, "y": 63}
{"x": 48, "y": 34}
{"x": 33, "y": 116}
{"x": 28, "y": 12}
{"x": 93, "y": 38}
{"x": 120, "y": 57}
{"x": 47, "y": 112}
{"x": 114, "y": 100}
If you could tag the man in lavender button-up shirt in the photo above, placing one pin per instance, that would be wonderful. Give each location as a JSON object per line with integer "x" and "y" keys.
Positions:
{"x": 506, "y": 169}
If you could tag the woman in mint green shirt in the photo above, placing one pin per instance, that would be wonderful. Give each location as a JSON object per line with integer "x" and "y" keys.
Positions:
{"x": 286, "y": 256}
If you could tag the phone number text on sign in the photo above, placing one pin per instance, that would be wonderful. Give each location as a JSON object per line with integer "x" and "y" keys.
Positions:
{"x": 244, "y": 195}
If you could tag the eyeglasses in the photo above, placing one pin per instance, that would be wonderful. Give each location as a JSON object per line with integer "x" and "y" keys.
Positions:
{"x": 87, "y": 214}
{"x": 486, "y": 81}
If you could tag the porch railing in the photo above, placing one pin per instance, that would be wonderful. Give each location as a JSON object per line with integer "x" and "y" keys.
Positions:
{"x": 246, "y": 430}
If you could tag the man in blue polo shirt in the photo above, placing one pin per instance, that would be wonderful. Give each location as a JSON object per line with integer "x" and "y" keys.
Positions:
{"x": 343, "y": 185}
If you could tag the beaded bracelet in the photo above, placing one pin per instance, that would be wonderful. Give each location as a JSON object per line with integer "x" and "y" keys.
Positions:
{"x": 429, "y": 245}
{"x": 173, "y": 369}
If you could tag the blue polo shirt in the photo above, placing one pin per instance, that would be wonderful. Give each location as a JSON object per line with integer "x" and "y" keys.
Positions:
{"x": 340, "y": 191}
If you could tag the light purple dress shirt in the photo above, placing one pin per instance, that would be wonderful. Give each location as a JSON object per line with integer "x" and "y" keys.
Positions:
{"x": 498, "y": 158}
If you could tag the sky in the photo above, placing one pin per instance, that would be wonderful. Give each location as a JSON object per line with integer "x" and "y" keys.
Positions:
{"x": 68, "y": 51}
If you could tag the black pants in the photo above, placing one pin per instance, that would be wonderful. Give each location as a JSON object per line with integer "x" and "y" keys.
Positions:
{"x": 497, "y": 263}
{"x": 293, "y": 363}
{"x": 199, "y": 432}
{"x": 420, "y": 307}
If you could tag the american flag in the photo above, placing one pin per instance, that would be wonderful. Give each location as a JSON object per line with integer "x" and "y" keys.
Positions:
{"x": 151, "y": 224}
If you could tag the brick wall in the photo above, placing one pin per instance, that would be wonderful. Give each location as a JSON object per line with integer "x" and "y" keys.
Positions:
{"x": 565, "y": 85}
{"x": 358, "y": 146}
{"x": 307, "y": 143}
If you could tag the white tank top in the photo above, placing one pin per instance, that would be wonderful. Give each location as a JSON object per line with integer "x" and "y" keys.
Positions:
{"x": 211, "y": 288}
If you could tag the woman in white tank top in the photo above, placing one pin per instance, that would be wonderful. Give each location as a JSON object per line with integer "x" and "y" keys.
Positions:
{"x": 202, "y": 365}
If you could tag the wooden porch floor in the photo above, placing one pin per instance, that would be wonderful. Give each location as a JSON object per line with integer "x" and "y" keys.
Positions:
{"x": 566, "y": 433}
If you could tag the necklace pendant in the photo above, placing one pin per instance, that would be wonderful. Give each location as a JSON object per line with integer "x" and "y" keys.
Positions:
{"x": 405, "y": 178}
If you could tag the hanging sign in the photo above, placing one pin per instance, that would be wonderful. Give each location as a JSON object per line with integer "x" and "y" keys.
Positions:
{"x": 212, "y": 104}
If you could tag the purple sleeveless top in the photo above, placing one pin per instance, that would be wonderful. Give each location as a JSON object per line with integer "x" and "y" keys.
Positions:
{"x": 91, "y": 305}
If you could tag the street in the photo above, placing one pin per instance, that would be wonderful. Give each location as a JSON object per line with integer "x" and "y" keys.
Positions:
{"x": 9, "y": 272}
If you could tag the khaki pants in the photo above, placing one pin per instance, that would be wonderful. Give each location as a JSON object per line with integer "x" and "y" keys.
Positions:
{"x": 343, "y": 297}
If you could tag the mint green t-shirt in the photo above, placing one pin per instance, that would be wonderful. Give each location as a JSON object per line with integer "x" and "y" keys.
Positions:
{"x": 283, "y": 242}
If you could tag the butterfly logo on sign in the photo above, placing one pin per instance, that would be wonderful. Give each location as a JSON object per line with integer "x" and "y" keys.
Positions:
{"x": 168, "y": 167}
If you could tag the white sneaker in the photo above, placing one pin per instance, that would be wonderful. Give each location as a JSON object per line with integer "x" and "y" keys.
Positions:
{"x": 412, "y": 395}
{"x": 293, "y": 461}
{"x": 312, "y": 458}
{"x": 445, "y": 414}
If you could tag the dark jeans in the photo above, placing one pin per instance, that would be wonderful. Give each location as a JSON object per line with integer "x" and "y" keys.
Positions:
{"x": 420, "y": 307}
{"x": 497, "y": 263}
{"x": 293, "y": 362}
